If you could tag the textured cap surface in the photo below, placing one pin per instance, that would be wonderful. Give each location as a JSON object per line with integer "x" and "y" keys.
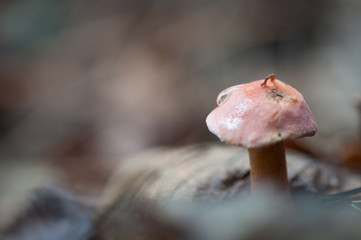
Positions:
{"x": 252, "y": 115}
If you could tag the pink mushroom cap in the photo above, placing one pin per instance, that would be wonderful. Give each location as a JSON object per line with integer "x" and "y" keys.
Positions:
{"x": 251, "y": 115}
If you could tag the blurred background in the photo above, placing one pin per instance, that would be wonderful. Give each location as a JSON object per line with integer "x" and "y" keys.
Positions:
{"x": 84, "y": 84}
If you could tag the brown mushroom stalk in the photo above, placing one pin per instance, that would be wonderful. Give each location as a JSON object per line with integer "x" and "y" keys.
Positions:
{"x": 259, "y": 116}
{"x": 268, "y": 163}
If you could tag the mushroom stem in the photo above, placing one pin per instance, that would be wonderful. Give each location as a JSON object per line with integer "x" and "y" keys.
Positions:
{"x": 268, "y": 163}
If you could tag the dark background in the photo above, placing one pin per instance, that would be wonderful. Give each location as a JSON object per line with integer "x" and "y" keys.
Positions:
{"x": 84, "y": 84}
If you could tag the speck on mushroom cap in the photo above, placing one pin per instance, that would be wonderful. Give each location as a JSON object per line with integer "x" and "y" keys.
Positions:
{"x": 251, "y": 115}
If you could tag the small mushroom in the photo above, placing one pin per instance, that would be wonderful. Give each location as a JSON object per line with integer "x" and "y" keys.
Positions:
{"x": 259, "y": 116}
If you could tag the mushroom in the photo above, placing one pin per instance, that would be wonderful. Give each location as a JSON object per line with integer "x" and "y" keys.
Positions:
{"x": 259, "y": 116}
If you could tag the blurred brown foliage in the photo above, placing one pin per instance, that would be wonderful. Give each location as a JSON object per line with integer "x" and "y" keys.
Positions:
{"x": 84, "y": 84}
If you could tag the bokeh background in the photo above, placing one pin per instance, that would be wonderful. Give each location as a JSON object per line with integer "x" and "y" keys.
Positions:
{"x": 84, "y": 84}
